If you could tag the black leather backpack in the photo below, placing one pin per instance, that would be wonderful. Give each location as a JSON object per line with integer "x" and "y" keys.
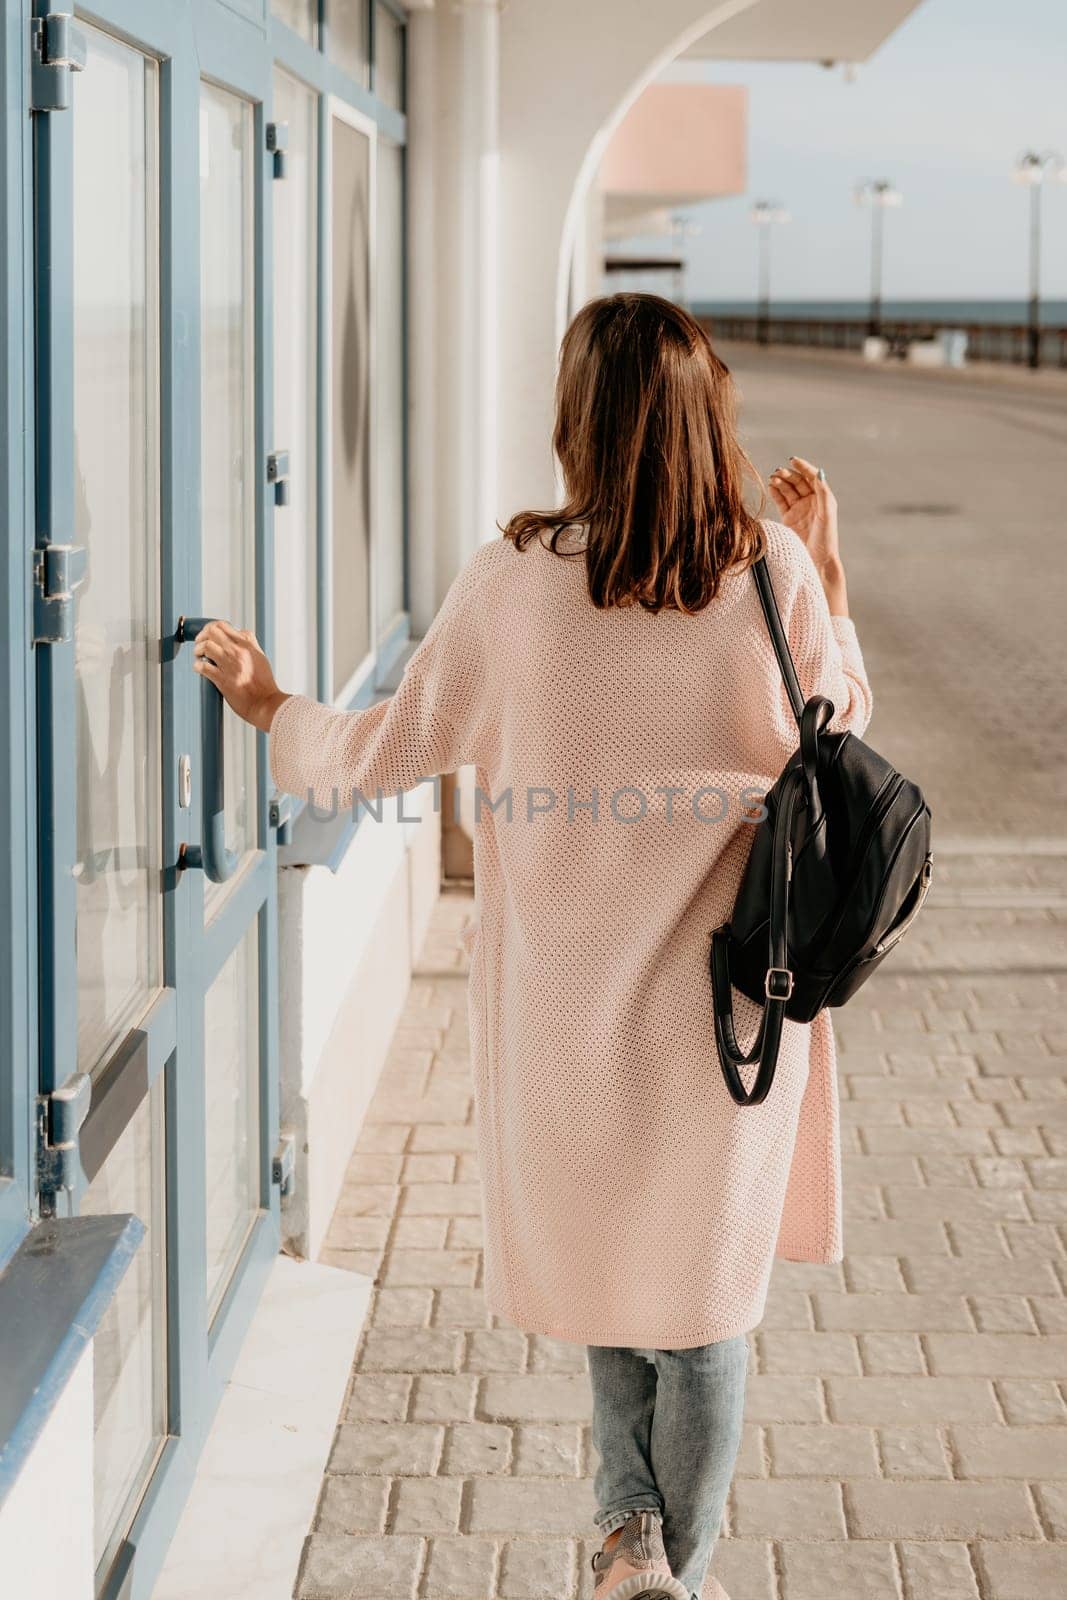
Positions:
{"x": 839, "y": 869}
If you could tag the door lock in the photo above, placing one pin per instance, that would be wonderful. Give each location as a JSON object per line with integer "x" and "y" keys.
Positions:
{"x": 185, "y": 782}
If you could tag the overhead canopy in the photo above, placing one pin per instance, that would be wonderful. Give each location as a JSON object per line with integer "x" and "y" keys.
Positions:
{"x": 823, "y": 30}
{"x": 678, "y": 143}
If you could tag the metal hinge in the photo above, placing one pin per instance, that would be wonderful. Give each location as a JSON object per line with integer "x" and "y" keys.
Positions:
{"x": 57, "y": 571}
{"x": 57, "y": 48}
{"x": 283, "y": 1164}
{"x": 278, "y": 146}
{"x": 59, "y": 1119}
{"x": 278, "y": 475}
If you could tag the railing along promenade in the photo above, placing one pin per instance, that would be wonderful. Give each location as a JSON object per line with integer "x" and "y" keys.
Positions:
{"x": 986, "y": 341}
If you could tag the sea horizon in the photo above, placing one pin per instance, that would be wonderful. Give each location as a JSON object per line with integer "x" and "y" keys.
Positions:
{"x": 1053, "y": 311}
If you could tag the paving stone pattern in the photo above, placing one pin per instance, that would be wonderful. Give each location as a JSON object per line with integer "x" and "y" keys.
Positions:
{"x": 904, "y": 1434}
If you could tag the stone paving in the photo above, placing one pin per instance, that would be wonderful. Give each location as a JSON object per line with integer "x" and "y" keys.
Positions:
{"x": 905, "y": 1412}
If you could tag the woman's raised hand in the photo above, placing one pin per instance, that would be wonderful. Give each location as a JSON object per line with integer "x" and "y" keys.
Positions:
{"x": 232, "y": 659}
{"x": 809, "y": 506}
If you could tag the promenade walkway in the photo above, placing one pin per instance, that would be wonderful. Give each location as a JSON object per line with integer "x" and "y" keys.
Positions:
{"x": 905, "y": 1413}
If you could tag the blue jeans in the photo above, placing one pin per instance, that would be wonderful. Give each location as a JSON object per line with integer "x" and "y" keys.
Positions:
{"x": 667, "y": 1425}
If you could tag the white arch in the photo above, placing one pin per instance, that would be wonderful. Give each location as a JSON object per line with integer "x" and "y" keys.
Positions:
{"x": 568, "y": 73}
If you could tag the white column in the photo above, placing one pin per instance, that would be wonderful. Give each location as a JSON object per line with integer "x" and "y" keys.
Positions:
{"x": 587, "y": 256}
{"x": 423, "y": 294}
{"x": 453, "y": 236}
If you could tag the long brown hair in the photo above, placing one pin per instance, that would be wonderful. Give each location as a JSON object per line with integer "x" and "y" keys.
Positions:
{"x": 652, "y": 466}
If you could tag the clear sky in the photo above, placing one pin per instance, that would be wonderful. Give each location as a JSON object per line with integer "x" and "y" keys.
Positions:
{"x": 942, "y": 109}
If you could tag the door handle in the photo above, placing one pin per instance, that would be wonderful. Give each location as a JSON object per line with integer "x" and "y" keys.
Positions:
{"x": 217, "y": 860}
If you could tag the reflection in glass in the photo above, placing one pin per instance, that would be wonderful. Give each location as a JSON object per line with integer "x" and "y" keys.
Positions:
{"x": 388, "y": 57}
{"x": 300, "y": 15}
{"x": 116, "y": 641}
{"x": 129, "y": 1354}
{"x": 227, "y": 416}
{"x": 350, "y": 352}
{"x": 346, "y": 36}
{"x": 231, "y": 1087}
{"x": 389, "y": 387}
{"x": 295, "y": 372}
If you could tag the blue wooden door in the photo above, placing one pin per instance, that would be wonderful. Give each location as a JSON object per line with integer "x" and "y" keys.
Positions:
{"x": 156, "y": 854}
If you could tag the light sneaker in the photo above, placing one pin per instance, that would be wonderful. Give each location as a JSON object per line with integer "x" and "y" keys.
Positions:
{"x": 636, "y": 1566}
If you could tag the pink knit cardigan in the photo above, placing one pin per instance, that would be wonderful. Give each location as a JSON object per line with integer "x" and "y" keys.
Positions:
{"x": 626, "y": 1198}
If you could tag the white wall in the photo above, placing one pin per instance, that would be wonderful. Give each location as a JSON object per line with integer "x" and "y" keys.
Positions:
{"x": 347, "y": 944}
{"x": 46, "y": 1521}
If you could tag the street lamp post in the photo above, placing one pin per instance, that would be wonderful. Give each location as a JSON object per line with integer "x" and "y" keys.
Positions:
{"x": 682, "y": 228}
{"x": 765, "y": 214}
{"x": 878, "y": 193}
{"x": 1031, "y": 169}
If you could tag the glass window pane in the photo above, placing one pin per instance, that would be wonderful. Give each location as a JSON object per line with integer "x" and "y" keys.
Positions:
{"x": 300, "y": 15}
{"x": 349, "y": 386}
{"x": 231, "y": 1087}
{"x": 346, "y": 36}
{"x": 295, "y": 372}
{"x": 388, "y": 57}
{"x": 129, "y": 1349}
{"x": 389, "y": 387}
{"x": 226, "y": 441}
{"x": 117, "y": 658}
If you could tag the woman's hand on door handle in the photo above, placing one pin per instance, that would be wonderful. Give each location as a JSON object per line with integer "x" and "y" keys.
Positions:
{"x": 232, "y": 659}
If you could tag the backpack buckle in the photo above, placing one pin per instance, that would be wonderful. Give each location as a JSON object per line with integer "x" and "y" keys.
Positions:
{"x": 778, "y": 984}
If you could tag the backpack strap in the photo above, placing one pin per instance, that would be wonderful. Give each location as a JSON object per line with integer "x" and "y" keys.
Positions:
{"x": 773, "y": 618}
{"x": 778, "y": 984}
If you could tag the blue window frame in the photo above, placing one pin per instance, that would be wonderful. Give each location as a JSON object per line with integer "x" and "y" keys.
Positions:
{"x": 18, "y": 934}
{"x": 318, "y": 65}
{"x": 98, "y": 689}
